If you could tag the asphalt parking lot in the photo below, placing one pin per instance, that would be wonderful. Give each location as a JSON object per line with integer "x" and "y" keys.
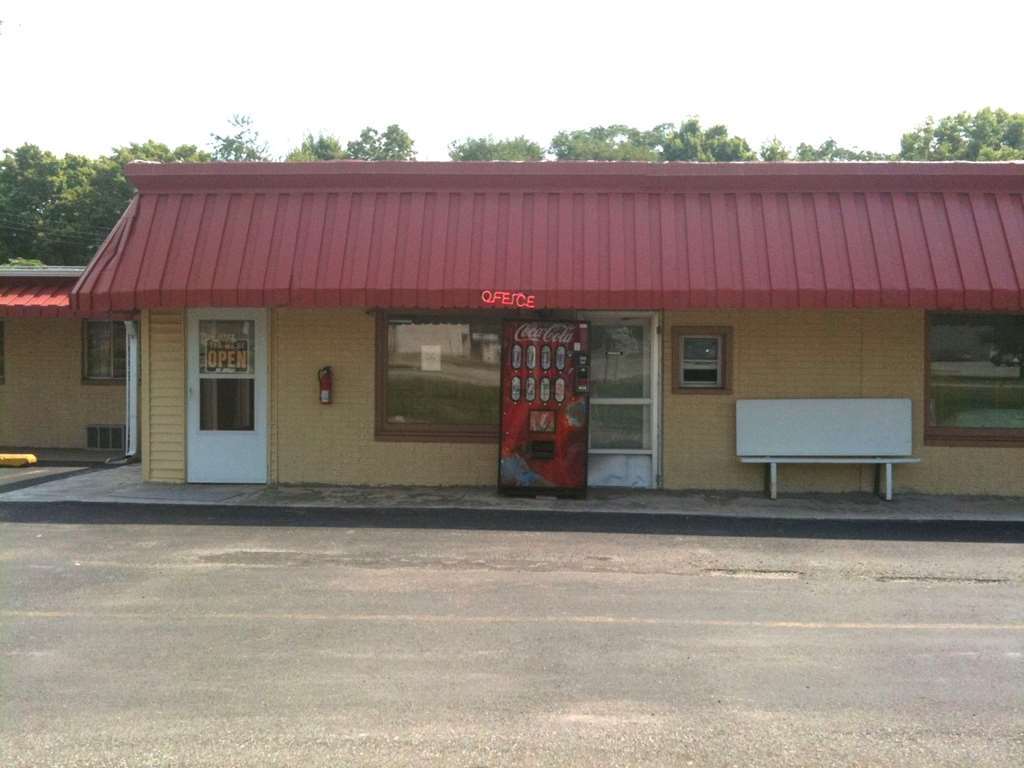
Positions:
{"x": 183, "y": 638}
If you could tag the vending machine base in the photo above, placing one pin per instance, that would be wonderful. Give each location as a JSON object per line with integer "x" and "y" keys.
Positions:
{"x": 544, "y": 409}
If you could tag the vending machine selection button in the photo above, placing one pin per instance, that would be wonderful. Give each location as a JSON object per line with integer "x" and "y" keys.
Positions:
{"x": 560, "y": 358}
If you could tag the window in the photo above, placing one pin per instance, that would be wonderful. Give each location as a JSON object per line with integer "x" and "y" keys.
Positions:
{"x": 227, "y": 375}
{"x": 438, "y": 377}
{"x": 975, "y": 378}
{"x": 701, "y": 359}
{"x": 104, "y": 358}
{"x": 1, "y": 352}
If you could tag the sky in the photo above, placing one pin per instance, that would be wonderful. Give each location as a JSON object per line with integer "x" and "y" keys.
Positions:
{"x": 83, "y": 77}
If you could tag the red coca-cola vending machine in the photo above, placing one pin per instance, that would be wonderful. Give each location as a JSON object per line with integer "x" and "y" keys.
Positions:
{"x": 545, "y": 385}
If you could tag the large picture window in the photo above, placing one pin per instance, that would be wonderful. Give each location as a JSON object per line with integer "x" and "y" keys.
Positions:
{"x": 104, "y": 357}
{"x": 975, "y": 378}
{"x": 438, "y": 377}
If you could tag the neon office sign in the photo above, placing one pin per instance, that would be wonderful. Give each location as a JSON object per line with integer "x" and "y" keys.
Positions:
{"x": 516, "y": 299}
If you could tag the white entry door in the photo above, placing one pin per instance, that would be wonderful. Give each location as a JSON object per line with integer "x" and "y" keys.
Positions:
{"x": 227, "y": 396}
{"x": 624, "y": 422}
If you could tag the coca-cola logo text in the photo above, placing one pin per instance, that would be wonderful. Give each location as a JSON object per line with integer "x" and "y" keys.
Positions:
{"x": 557, "y": 333}
{"x": 516, "y": 299}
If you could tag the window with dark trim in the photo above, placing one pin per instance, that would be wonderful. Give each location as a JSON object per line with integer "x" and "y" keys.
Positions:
{"x": 701, "y": 359}
{"x": 1, "y": 351}
{"x": 438, "y": 377}
{"x": 974, "y": 379}
{"x": 104, "y": 355}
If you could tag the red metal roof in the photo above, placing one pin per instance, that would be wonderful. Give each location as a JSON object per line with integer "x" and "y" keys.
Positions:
{"x": 586, "y": 235}
{"x": 39, "y": 296}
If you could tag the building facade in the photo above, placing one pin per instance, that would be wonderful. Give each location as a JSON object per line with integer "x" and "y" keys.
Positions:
{"x": 62, "y": 377}
{"x": 703, "y": 285}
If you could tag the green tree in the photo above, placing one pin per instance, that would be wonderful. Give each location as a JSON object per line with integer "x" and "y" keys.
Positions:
{"x": 59, "y": 210}
{"x": 691, "y": 142}
{"x": 489, "y": 148}
{"x": 319, "y": 147}
{"x": 830, "y": 151}
{"x": 611, "y": 142}
{"x": 989, "y": 134}
{"x": 244, "y": 145}
{"x": 773, "y": 151}
{"x": 391, "y": 144}
{"x": 28, "y": 182}
{"x": 688, "y": 141}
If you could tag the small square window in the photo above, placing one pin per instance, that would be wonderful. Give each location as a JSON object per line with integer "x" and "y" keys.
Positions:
{"x": 700, "y": 359}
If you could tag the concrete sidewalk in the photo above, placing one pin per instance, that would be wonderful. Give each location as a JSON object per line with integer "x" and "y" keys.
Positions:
{"x": 124, "y": 485}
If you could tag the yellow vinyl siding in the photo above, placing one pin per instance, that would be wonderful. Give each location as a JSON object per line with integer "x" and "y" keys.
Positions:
{"x": 163, "y": 395}
{"x": 43, "y": 401}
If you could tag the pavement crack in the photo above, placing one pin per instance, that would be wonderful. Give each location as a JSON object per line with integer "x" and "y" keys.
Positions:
{"x": 753, "y": 573}
{"x": 896, "y": 579}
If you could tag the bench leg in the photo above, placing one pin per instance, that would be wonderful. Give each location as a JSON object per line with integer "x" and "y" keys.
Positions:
{"x": 884, "y": 490}
{"x": 773, "y": 481}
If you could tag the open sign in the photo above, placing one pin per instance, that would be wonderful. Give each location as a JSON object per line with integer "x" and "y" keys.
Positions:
{"x": 516, "y": 299}
{"x": 227, "y": 356}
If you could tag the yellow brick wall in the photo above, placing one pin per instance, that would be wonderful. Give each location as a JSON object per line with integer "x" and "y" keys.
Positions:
{"x": 162, "y": 401}
{"x": 43, "y": 402}
{"x": 817, "y": 354}
{"x": 316, "y": 443}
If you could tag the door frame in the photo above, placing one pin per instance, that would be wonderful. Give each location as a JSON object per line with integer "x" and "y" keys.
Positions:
{"x": 653, "y": 320}
{"x": 261, "y": 393}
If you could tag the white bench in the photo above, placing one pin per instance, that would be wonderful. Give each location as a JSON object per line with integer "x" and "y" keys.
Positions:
{"x": 825, "y": 431}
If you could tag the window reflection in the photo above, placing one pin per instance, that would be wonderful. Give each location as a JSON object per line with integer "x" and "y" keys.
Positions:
{"x": 976, "y": 379}
{"x": 226, "y": 404}
{"x": 442, "y": 372}
{"x": 618, "y": 361}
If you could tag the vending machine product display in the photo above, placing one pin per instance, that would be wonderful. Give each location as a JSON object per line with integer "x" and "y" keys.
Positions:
{"x": 545, "y": 386}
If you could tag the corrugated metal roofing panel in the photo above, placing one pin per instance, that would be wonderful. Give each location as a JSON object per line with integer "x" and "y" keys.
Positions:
{"x": 595, "y": 236}
{"x": 35, "y": 297}
{"x": 24, "y": 297}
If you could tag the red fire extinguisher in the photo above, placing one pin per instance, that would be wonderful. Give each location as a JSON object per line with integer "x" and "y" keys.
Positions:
{"x": 326, "y": 379}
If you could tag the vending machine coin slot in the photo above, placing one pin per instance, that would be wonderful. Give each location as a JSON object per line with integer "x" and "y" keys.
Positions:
{"x": 582, "y": 372}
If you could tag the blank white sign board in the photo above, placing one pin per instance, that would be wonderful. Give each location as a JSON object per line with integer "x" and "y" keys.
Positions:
{"x": 824, "y": 427}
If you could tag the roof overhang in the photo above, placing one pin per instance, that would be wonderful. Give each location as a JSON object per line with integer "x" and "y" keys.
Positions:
{"x": 41, "y": 292}
{"x": 595, "y": 235}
